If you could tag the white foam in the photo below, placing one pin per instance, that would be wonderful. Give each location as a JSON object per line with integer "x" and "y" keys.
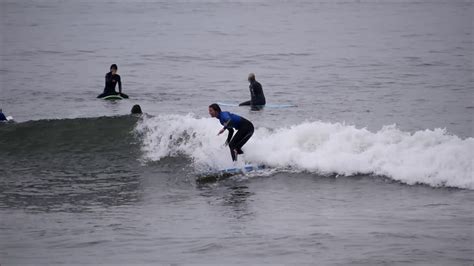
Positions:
{"x": 173, "y": 135}
{"x": 431, "y": 157}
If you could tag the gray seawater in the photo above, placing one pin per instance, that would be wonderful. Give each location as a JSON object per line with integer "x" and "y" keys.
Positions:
{"x": 80, "y": 188}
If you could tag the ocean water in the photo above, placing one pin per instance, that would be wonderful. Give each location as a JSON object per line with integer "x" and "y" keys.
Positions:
{"x": 374, "y": 165}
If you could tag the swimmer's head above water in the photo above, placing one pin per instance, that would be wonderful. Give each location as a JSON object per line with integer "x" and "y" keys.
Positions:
{"x": 136, "y": 109}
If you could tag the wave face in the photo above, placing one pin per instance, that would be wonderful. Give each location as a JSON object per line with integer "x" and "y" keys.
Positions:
{"x": 68, "y": 144}
{"x": 67, "y": 134}
{"x": 431, "y": 157}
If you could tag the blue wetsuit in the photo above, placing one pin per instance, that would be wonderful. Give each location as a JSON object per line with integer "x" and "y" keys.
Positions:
{"x": 233, "y": 119}
{"x": 244, "y": 131}
{"x": 2, "y": 117}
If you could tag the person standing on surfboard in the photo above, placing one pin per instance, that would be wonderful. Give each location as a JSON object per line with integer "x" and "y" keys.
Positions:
{"x": 257, "y": 99}
{"x": 230, "y": 122}
{"x": 111, "y": 80}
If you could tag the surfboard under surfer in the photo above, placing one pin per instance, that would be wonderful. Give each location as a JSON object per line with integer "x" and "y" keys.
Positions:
{"x": 230, "y": 122}
{"x": 111, "y": 80}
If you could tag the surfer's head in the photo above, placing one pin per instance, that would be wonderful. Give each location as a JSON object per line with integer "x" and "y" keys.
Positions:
{"x": 214, "y": 110}
{"x": 113, "y": 68}
{"x": 136, "y": 109}
{"x": 251, "y": 77}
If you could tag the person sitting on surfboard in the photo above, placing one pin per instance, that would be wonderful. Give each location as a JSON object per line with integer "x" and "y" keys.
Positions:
{"x": 256, "y": 93}
{"x": 111, "y": 79}
{"x": 230, "y": 121}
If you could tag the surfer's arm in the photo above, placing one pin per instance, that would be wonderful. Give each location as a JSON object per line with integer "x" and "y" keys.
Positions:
{"x": 225, "y": 119}
{"x": 120, "y": 84}
{"x": 230, "y": 129}
{"x": 229, "y": 137}
{"x": 226, "y": 126}
{"x": 108, "y": 78}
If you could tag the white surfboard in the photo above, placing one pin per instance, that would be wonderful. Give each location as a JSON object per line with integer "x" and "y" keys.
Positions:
{"x": 9, "y": 120}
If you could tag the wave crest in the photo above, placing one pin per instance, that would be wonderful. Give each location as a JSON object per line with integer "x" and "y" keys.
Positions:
{"x": 431, "y": 157}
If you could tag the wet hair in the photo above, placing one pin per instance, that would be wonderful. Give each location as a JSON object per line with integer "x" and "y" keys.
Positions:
{"x": 215, "y": 107}
{"x": 136, "y": 109}
{"x": 251, "y": 76}
{"x": 114, "y": 66}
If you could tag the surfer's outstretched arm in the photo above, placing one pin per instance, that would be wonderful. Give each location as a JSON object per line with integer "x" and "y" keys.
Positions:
{"x": 230, "y": 129}
{"x": 226, "y": 126}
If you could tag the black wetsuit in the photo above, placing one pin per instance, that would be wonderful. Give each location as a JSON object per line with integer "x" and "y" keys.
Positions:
{"x": 110, "y": 82}
{"x": 256, "y": 95}
{"x": 240, "y": 138}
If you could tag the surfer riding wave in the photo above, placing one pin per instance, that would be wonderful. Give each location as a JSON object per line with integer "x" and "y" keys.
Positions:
{"x": 230, "y": 122}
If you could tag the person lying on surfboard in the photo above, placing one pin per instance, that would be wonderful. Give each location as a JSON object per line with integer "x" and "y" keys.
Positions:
{"x": 230, "y": 122}
{"x": 257, "y": 98}
{"x": 111, "y": 79}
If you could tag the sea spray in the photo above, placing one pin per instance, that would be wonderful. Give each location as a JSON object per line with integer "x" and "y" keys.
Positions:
{"x": 432, "y": 157}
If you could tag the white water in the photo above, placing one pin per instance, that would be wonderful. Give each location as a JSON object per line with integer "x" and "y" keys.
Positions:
{"x": 431, "y": 157}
